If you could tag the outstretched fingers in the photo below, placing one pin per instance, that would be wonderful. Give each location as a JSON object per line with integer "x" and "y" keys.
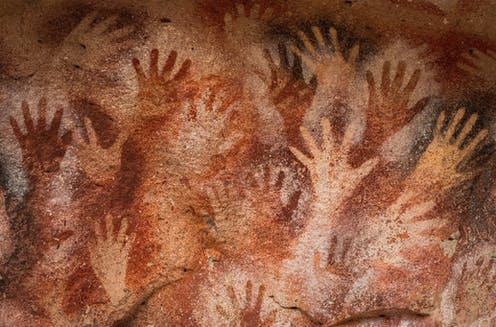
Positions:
{"x": 17, "y": 131}
{"x": 310, "y": 142}
{"x": 319, "y": 37}
{"x": 183, "y": 71}
{"x": 467, "y": 128}
{"x": 140, "y": 73}
{"x": 454, "y": 123}
{"x": 469, "y": 149}
{"x": 259, "y": 300}
{"x": 154, "y": 64}
{"x": 327, "y": 137}
{"x": 42, "y": 109}
{"x": 386, "y": 78}
{"x": 306, "y": 161}
{"x": 56, "y": 122}
{"x": 28, "y": 121}
{"x": 307, "y": 43}
{"x": 303, "y": 57}
{"x": 353, "y": 55}
{"x": 412, "y": 83}
{"x": 398, "y": 79}
{"x": 441, "y": 119}
{"x": 365, "y": 169}
{"x": 169, "y": 64}
{"x": 333, "y": 35}
{"x": 88, "y": 125}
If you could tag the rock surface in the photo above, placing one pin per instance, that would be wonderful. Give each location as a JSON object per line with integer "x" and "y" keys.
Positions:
{"x": 223, "y": 163}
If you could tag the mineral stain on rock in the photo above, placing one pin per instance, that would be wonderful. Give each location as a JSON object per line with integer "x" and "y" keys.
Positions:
{"x": 244, "y": 163}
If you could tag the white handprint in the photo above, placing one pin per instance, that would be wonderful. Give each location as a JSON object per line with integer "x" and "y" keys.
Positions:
{"x": 109, "y": 256}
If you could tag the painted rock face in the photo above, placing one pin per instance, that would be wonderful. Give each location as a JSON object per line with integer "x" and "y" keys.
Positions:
{"x": 243, "y": 163}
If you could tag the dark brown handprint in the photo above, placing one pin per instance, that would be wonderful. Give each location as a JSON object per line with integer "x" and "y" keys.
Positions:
{"x": 289, "y": 92}
{"x": 388, "y": 109}
{"x": 158, "y": 89}
{"x": 250, "y": 313}
{"x": 42, "y": 147}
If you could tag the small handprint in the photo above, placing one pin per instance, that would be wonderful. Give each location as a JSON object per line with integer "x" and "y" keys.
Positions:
{"x": 439, "y": 164}
{"x": 333, "y": 178}
{"x": 469, "y": 298}
{"x": 480, "y": 65}
{"x": 337, "y": 259}
{"x": 224, "y": 201}
{"x": 388, "y": 109}
{"x": 327, "y": 63}
{"x": 289, "y": 92}
{"x": 82, "y": 48}
{"x": 480, "y": 277}
{"x": 207, "y": 130}
{"x": 267, "y": 189}
{"x": 250, "y": 313}
{"x": 401, "y": 228}
{"x": 42, "y": 147}
{"x": 247, "y": 25}
{"x": 159, "y": 91}
{"x": 109, "y": 257}
{"x": 99, "y": 164}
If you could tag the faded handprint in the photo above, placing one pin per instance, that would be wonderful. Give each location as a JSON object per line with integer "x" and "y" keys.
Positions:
{"x": 388, "y": 109}
{"x": 333, "y": 178}
{"x": 248, "y": 313}
{"x": 99, "y": 164}
{"x": 109, "y": 256}
{"x": 439, "y": 164}
{"x": 327, "y": 63}
{"x": 82, "y": 48}
{"x": 289, "y": 92}
{"x": 246, "y": 25}
{"x": 42, "y": 147}
{"x": 207, "y": 130}
{"x": 160, "y": 91}
{"x": 226, "y": 207}
{"x": 338, "y": 259}
{"x": 480, "y": 65}
{"x": 401, "y": 228}
{"x": 469, "y": 298}
{"x": 264, "y": 195}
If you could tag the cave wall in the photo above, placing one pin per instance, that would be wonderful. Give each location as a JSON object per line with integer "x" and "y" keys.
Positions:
{"x": 243, "y": 163}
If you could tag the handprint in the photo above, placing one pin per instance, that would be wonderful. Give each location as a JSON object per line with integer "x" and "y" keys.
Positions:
{"x": 250, "y": 313}
{"x": 99, "y": 164}
{"x": 289, "y": 92}
{"x": 330, "y": 67}
{"x": 338, "y": 257}
{"x": 247, "y": 25}
{"x": 159, "y": 90}
{"x": 439, "y": 165}
{"x": 109, "y": 257}
{"x": 469, "y": 298}
{"x": 388, "y": 109}
{"x": 226, "y": 207}
{"x": 480, "y": 65}
{"x": 42, "y": 147}
{"x": 82, "y": 48}
{"x": 333, "y": 178}
{"x": 207, "y": 130}
{"x": 399, "y": 229}
{"x": 264, "y": 195}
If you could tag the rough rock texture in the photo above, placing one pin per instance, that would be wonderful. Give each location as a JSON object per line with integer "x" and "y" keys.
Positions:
{"x": 272, "y": 163}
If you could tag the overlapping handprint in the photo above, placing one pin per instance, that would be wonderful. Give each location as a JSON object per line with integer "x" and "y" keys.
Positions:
{"x": 109, "y": 253}
{"x": 42, "y": 147}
